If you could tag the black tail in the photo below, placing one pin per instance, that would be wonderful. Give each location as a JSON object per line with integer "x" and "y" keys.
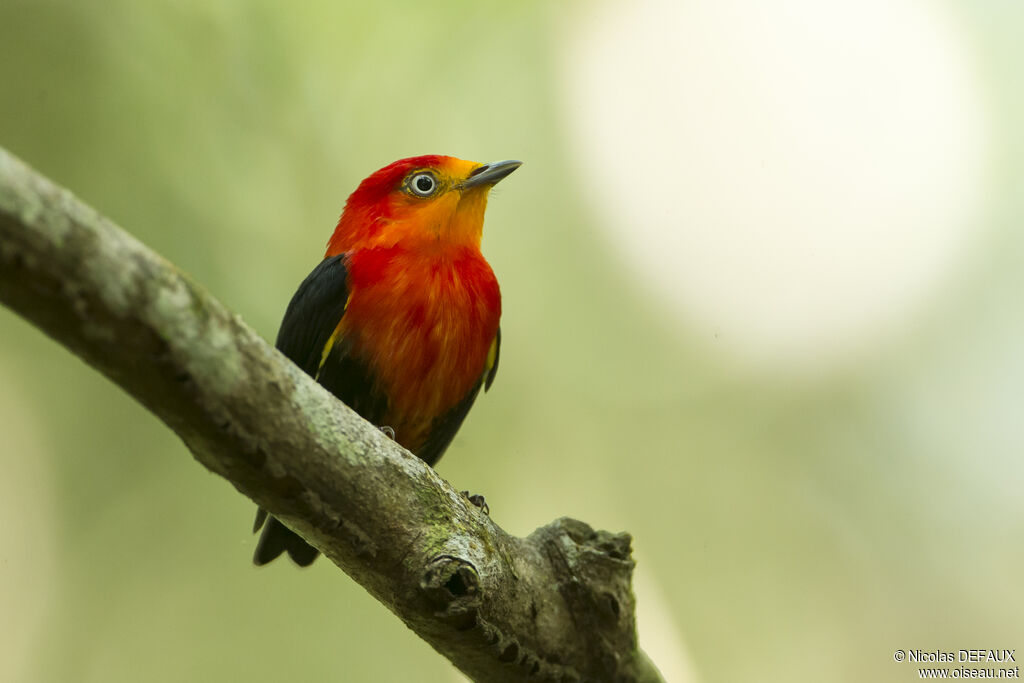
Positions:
{"x": 277, "y": 539}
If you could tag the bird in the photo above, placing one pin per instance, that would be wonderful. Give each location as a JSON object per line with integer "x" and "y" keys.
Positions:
{"x": 400, "y": 320}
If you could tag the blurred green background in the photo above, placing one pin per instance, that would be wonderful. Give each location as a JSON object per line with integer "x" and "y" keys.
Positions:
{"x": 761, "y": 274}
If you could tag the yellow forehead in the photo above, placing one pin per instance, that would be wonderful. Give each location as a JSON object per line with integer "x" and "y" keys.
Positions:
{"x": 457, "y": 169}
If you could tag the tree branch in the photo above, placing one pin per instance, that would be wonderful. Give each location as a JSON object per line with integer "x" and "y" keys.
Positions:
{"x": 554, "y": 606}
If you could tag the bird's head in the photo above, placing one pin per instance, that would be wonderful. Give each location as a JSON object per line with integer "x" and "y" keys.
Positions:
{"x": 417, "y": 202}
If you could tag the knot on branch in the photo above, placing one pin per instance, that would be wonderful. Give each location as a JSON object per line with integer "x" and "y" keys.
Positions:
{"x": 452, "y": 585}
{"x": 594, "y": 571}
{"x": 614, "y": 546}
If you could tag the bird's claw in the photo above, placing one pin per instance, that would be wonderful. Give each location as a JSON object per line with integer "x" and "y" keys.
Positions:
{"x": 479, "y": 501}
{"x": 388, "y": 432}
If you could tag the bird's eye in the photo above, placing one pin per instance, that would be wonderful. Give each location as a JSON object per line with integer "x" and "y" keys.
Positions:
{"x": 423, "y": 184}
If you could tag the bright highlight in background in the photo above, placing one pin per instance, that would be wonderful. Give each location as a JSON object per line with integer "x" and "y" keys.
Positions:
{"x": 798, "y": 180}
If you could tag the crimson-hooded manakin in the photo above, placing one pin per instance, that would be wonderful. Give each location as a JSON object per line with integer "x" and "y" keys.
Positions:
{"x": 400, "y": 319}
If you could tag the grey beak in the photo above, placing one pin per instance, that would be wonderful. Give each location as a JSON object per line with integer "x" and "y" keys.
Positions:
{"x": 489, "y": 174}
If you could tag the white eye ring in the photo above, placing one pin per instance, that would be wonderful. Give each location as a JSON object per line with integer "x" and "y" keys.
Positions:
{"x": 423, "y": 184}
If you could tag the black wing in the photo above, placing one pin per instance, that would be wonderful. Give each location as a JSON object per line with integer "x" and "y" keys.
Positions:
{"x": 314, "y": 313}
{"x": 306, "y": 337}
{"x": 309, "y": 323}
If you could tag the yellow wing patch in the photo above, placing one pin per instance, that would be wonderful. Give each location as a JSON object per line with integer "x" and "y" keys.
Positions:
{"x": 332, "y": 340}
{"x": 492, "y": 353}
{"x": 491, "y": 366}
{"x": 327, "y": 351}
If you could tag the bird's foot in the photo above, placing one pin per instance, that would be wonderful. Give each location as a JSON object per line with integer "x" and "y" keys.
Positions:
{"x": 388, "y": 432}
{"x": 479, "y": 501}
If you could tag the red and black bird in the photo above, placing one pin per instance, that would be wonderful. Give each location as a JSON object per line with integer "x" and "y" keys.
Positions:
{"x": 400, "y": 319}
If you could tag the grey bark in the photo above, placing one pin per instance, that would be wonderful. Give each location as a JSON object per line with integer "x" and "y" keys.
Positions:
{"x": 554, "y": 606}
